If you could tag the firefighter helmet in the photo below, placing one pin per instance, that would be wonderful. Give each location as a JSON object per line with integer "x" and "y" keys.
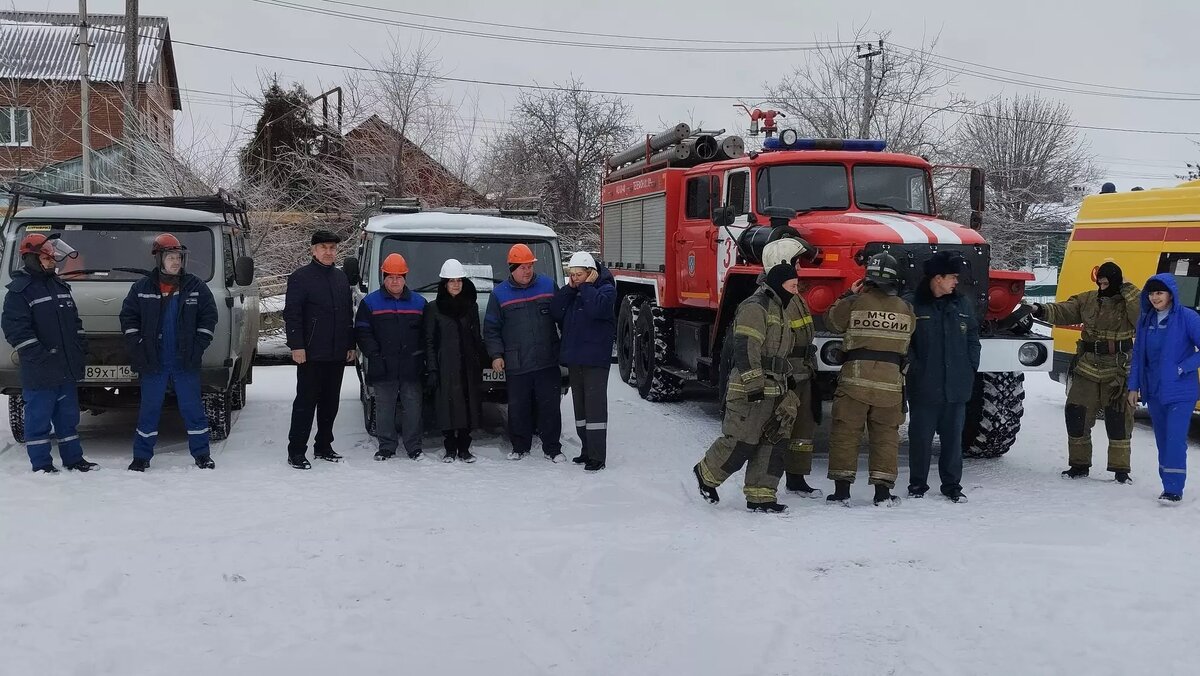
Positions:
{"x": 884, "y": 272}
{"x": 394, "y": 264}
{"x": 520, "y": 254}
{"x": 784, "y": 251}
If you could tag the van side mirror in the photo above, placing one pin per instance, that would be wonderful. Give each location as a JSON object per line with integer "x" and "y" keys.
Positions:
{"x": 350, "y": 267}
{"x": 977, "y": 188}
{"x": 243, "y": 271}
{"x": 722, "y": 217}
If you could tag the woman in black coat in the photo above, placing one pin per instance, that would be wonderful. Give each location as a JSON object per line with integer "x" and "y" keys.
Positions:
{"x": 455, "y": 357}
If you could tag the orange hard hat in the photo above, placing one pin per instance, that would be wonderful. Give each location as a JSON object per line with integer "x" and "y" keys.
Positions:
{"x": 35, "y": 243}
{"x": 166, "y": 242}
{"x": 520, "y": 254}
{"x": 394, "y": 264}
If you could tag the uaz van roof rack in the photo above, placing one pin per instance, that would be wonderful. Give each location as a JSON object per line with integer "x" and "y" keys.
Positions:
{"x": 222, "y": 202}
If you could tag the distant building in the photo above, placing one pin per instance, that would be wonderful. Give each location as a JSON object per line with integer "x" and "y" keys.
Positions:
{"x": 39, "y": 86}
{"x": 379, "y": 166}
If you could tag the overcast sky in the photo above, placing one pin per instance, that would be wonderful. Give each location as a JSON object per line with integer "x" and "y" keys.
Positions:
{"x": 1147, "y": 45}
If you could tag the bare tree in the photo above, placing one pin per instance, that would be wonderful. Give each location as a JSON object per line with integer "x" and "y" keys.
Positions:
{"x": 556, "y": 150}
{"x": 910, "y": 97}
{"x": 405, "y": 92}
{"x": 1036, "y": 161}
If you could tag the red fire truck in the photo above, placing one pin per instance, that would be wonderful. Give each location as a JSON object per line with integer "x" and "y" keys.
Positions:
{"x": 685, "y": 216}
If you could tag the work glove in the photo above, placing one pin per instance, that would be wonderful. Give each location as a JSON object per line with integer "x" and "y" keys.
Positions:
{"x": 779, "y": 428}
{"x": 1021, "y": 319}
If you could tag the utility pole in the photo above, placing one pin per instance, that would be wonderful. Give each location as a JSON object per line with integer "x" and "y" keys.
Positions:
{"x": 130, "y": 122}
{"x": 867, "y": 51}
{"x": 85, "y": 136}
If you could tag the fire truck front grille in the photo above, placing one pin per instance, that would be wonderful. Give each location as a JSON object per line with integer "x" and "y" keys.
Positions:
{"x": 912, "y": 257}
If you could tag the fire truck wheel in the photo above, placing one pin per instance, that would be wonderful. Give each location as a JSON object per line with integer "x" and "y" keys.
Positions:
{"x": 626, "y": 322}
{"x": 652, "y": 353}
{"x": 994, "y": 414}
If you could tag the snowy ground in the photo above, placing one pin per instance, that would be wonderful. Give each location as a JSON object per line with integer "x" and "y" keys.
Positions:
{"x": 535, "y": 568}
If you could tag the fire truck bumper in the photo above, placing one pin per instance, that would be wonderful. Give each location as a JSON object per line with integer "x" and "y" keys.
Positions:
{"x": 998, "y": 354}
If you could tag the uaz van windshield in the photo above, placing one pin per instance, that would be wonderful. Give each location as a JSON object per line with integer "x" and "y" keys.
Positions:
{"x": 111, "y": 252}
{"x": 485, "y": 259}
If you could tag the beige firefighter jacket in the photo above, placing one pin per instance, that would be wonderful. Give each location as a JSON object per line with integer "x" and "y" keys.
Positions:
{"x": 877, "y": 324}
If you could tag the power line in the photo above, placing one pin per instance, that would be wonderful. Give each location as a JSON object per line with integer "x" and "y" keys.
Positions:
{"x": 663, "y": 95}
{"x": 1167, "y": 95}
{"x": 560, "y": 31}
{"x": 529, "y": 40}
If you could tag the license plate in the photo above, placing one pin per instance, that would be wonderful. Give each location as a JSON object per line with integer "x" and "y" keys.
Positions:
{"x": 108, "y": 373}
{"x": 493, "y": 376}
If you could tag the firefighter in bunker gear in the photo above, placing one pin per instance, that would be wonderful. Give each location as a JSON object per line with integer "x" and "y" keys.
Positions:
{"x": 878, "y": 326}
{"x": 760, "y": 406}
{"x": 1109, "y": 316}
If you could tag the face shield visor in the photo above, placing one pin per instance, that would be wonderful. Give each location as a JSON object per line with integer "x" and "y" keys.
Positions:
{"x": 172, "y": 261}
{"x": 60, "y": 250}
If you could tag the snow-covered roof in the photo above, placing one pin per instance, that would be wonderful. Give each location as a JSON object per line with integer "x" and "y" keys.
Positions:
{"x": 433, "y": 223}
{"x": 128, "y": 212}
{"x": 41, "y": 46}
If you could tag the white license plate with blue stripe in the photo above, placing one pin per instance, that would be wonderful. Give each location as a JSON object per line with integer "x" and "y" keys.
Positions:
{"x": 108, "y": 373}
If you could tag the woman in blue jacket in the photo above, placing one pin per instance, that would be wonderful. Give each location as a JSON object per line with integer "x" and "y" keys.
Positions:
{"x": 1165, "y": 360}
{"x": 584, "y": 310}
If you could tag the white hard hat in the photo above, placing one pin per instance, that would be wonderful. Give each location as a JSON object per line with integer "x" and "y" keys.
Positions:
{"x": 582, "y": 259}
{"x": 782, "y": 252}
{"x": 452, "y": 269}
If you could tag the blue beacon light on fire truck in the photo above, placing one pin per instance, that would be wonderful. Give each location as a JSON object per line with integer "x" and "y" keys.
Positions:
{"x": 787, "y": 141}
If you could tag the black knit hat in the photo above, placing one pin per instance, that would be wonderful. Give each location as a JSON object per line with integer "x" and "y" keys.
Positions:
{"x": 1156, "y": 285}
{"x": 325, "y": 236}
{"x": 945, "y": 263}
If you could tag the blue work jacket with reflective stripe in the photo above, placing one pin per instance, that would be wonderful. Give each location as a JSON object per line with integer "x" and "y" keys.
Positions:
{"x": 142, "y": 322}
{"x": 519, "y": 325}
{"x": 42, "y": 324}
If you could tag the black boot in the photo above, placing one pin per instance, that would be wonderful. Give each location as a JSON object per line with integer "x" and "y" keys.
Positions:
{"x": 138, "y": 465}
{"x": 1075, "y": 472}
{"x": 841, "y": 492}
{"x": 382, "y": 456}
{"x": 82, "y": 465}
{"x": 464, "y": 446}
{"x": 47, "y": 469}
{"x": 1123, "y": 478}
{"x": 328, "y": 455}
{"x": 580, "y": 459}
{"x": 954, "y": 495}
{"x": 299, "y": 462}
{"x": 883, "y": 496}
{"x": 766, "y": 507}
{"x": 1170, "y": 497}
{"x": 918, "y": 491}
{"x": 707, "y": 492}
{"x": 798, "y": 485}
{"x": 205, "y": 462}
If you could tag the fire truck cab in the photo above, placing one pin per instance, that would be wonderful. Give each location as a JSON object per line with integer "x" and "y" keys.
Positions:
{"x": 683, "y": 234}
